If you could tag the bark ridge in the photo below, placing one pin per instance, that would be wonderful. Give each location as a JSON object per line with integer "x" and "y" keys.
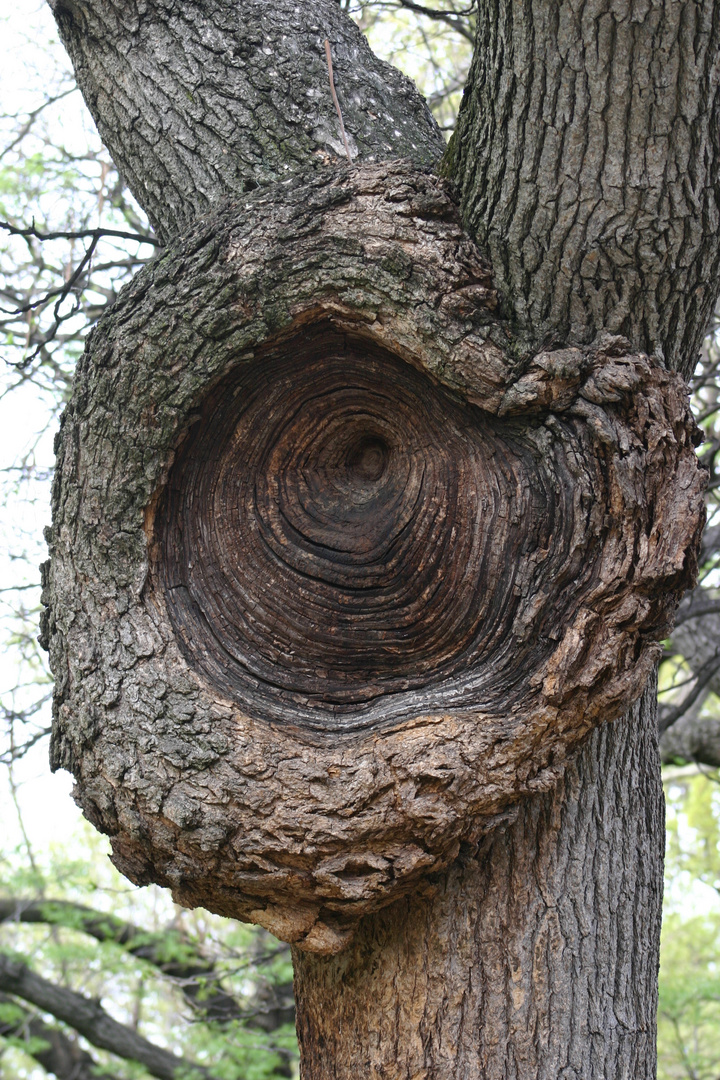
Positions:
{"x": 245, "y": 101}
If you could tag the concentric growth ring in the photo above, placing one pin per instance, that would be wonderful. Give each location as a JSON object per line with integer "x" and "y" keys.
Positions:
{"x": 336, "y": 533}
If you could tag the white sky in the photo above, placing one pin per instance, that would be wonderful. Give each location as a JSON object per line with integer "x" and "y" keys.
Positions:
{"x": 48, "y": 809}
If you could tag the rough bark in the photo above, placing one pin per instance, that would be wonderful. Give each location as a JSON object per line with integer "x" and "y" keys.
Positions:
{"x": 201, "y": 787}
{"x": 89, "y": 1018}
{"x": 586, "y": 152}
{"x": 529, "y": 959}
{"x": 565, "y": 500}
{"x": 207, "y": 98}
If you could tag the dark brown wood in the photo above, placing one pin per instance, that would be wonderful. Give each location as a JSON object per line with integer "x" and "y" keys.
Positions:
{"x": 342, "y": 545}
{"x": 556, "y": 500}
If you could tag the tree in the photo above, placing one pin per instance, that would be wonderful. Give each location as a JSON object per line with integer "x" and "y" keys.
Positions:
{"x": 689, "y": 1002}
{"x": 150, "y": 990}
{"x": 600, "y": 254}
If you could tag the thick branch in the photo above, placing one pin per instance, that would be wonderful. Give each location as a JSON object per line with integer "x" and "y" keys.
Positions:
{"x": 694, "y": 737}
{"x": 686, "y": 732}
{"x": 92, "y": 1021}
{"x": 703, "y": 677}
{"x": 59, "y": 1055}
{"x": 587, "y": 157}
{"x": 245, "y": 101}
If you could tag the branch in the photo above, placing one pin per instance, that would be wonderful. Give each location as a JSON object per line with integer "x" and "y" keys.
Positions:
{"x": 702, "y": 676}
{"x": 32, "y": 116}
{"x": 61, "y": 294}
{"x": 170, "y": 952}
{"x": 148, "y": 136}
{"x": 697, "y": 613}
{"x": 693, "y": 738}
{"x": 90, "y": 1020}
{"x": 60, "y": 1055}
{"x": 452, "y": 19}
{"x": 80, "y": 234}
{"x": 14, "y": 754}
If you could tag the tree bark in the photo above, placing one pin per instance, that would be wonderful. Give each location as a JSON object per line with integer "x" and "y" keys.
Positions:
{"x": 534, "y": 957}
{"x": 560, "y": 509}
{"x": 205, "y": 99}
{"x": 586, "y": 153}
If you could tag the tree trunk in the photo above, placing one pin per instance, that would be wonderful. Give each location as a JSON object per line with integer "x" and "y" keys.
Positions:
{"x": 248, "y": 745}
{"x": 534, "y": 957}
{"x": 202, "y": 100}
{"x": 586, "y": 153}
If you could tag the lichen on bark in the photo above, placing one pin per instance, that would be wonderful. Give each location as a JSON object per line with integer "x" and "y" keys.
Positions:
{"x": 245, "y": 100}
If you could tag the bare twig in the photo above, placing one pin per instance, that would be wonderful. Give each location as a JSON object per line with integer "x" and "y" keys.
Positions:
{"x": 328, "y": 57}
{"x": 32, "y": 116}
{"x": 454, "y": 19}
{"x": 80, "y": 234}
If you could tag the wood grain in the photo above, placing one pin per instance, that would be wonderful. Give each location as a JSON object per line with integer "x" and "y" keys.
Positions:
{"x": 338, "y": 572}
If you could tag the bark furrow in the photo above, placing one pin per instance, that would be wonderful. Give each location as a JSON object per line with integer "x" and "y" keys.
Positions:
{"x": 586, "y": 153}
{"x": 209, "y": 98}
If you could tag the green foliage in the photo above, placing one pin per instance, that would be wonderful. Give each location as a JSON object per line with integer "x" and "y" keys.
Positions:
{"x": 133, "y": 990}
{"x": 689, "y": 1012}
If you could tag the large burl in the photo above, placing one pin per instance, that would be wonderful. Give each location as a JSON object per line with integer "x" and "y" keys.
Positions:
{"x": 339, "y": 571}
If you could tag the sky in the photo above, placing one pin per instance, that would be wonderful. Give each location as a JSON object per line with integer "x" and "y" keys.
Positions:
{"x": 48, "y": 810}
